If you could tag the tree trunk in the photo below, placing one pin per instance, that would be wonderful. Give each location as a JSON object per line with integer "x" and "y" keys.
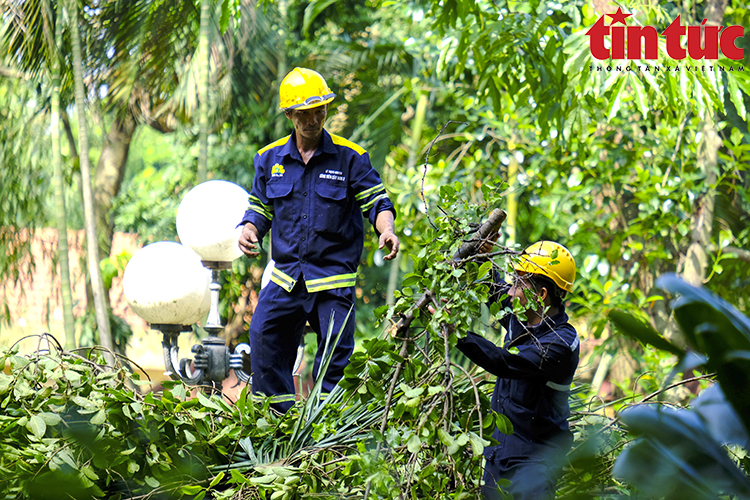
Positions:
{"x": 203, "y": 67}
{"x": 110, "y": 171}
{"x": 60, "y": 211}
{"x": 92, "y": 253}
{"x": 696, "y": 259}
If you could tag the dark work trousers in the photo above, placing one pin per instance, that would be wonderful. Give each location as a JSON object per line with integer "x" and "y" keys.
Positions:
{"x": 532, "y": 477}
{"x": 276, "y": 330}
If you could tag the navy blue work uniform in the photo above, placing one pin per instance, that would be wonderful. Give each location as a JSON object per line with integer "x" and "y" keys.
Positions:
{"x": 532, "y": 390}
{"x": 315, "y": 212}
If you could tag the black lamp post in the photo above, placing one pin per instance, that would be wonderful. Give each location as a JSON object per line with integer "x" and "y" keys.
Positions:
{"x": 172, "y": 286}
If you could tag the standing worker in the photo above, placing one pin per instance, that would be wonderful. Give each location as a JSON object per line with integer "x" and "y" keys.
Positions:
{"x": 312, "y": 188}
{"x": 534, "y": 370}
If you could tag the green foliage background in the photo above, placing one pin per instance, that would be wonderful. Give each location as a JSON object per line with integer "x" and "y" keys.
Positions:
{"x": 464, "y": 106}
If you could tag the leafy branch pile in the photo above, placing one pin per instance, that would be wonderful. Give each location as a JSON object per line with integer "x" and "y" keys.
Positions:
{"x": 406, "y": 420}
{"x": 71, "y": 426}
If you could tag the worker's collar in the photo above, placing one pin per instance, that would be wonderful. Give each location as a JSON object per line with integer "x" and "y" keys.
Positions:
{"x": 290, "y": 148}
{"x": 549, "y": 321}
{"x": 547, "y": 325}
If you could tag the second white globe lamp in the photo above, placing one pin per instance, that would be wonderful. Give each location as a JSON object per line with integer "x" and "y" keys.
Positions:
{"x": 207, "y": 220}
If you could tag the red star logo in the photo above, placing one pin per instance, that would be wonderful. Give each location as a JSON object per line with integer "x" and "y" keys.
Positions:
{"x": 619, "y": 16}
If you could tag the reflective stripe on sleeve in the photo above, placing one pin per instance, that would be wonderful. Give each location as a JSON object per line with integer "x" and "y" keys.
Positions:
{"x": 368, "y": 192}
{"x": 254, "y": 200}
{"x": 574, "y": 344}
{"x": 558, "y": 387}
{"x": 369, "y": 205}
{"x": 259, "y": 209}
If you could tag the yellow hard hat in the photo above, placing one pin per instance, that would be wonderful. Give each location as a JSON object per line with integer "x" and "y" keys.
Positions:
{"x": 304, "y": 88}
{"x": 551, "y": 260}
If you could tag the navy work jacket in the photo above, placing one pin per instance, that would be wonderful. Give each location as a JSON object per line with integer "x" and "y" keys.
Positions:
{"x": 315, "y": 211}
{"x": 533, "y": 383}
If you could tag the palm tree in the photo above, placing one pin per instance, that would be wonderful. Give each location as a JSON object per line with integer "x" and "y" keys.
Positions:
{"x": 203, "y": 65}
{"x": 39, "y": 53}
{"x": 60, "y": 209}
{"x": 92, "y": 248}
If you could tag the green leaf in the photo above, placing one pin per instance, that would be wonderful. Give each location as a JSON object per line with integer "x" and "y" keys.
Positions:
{"x": 66, "y": 457}
{"x": 151, "y": 481}
{"x": 88, "y": 471}
{"x": 414, "y": 444}
{"x": 133, "y": 467}
{"x": 503, "y": 424}
{"x": 447, "y": 191}
{"x": 312, "y": 11}
{"x": 237, "y": 477}
{"x": 684, "y": 87}
{"x": 737, "y": 98}
{"x": 283, "y": 471}
{"x": 216, "y": 480}
{"x": 207, "y": 402}
{"x": 410, "y": 279}
{"x": 137, "y": 407}
{"x": 412, "y": 393}
{"x": 99, "y": 418}
{"x": 190, "y": 489}
{"x": 477, "y": 444}
{"x": 448, "y": 441}
{"x": 265, "y": 479}
{"x": 484, "y": 270}
{"x": 615, "y": 99}
{"x": 736, "y": 136}
{"x": 640, "y": 95}
{"x": 189, "y": 437}
{"x": 83, "y": 402}
{"x": 226, "y": 7}
{"x": 50, "y": 418}
{"x": 37, "y": 426}
{"x": 642, "y": 331}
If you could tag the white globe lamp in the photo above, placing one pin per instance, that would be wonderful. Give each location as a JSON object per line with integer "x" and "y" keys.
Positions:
{"x": 166, "y": 284}
{"x": 207, "y": 220}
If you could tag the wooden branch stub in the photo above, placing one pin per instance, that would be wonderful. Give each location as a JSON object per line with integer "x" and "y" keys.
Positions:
{"x": 490, "y": 226}
{"x": 470, "y": 247}
{"x": 405, "y": 321}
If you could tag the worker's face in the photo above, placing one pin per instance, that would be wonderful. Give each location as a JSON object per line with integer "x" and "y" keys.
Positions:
{"x": 520, "y": 283}
{"x": 308, "y": 123}
{"x": 529, "y": 298}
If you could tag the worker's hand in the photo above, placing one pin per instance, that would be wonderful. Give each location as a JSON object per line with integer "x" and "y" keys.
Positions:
{"x": 488, "y": 245}
{"x": 432, "y": 309}
{"x": 249, "y": 239}
{"x": 446, "y": 328}
{"x": 389, "y": 240}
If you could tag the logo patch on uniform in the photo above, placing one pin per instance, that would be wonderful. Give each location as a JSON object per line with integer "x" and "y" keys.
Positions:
{"x": 277, "y": 170}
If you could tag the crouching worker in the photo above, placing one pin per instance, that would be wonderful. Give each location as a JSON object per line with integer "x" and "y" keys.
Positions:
{"x": 534, "y": 370}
